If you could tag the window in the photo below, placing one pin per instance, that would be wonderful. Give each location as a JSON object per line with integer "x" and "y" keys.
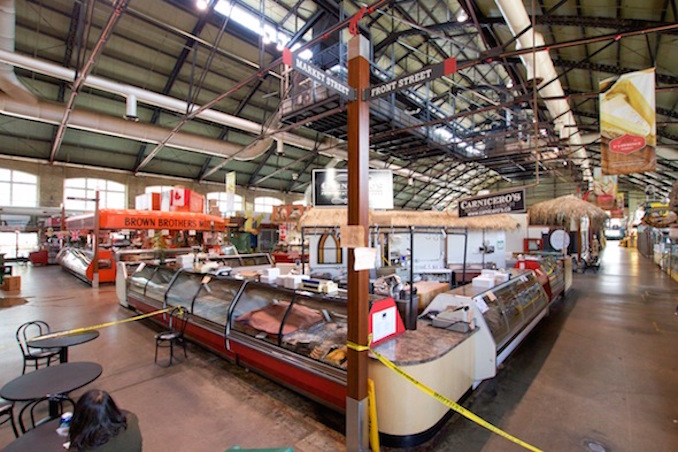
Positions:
{"x": 222, "y": 202}
{"x": 18, "y": 189}
{"x": 112, "y": 195}
{"x": 265, "y": 204}
{"x": 329, "y": 249}
{"x": 157, "y": 188}
{"x": 300, "y": 202}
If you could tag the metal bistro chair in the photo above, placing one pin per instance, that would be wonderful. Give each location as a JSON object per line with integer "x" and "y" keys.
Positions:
{"x": 178, "y": 318}
{"x": 7, "y": 410}
{"x": 30, "y": 330}
{"x": 39, "y": 407}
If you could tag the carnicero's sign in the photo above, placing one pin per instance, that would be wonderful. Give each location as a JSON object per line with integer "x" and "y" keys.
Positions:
{"x": 506, "y": 202}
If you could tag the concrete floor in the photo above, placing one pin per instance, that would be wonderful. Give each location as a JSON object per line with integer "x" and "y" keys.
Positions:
{"x": 599, "y": 373}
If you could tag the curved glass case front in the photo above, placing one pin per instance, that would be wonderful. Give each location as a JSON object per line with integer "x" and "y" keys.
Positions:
{"x": 158, "y": 284}
{"x": 214, "y": 299}
{"x": 308, "y": 325}
{"x": 512, "y": 305}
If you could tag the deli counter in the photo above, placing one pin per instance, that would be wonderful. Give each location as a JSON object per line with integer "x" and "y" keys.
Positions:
{"x": 299, "y": 339}
{"x": 78, "y": 262}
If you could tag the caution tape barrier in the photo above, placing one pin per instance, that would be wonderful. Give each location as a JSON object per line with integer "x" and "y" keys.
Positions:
{"x": 101, "y": 325}
{"x": 442, "y": 399}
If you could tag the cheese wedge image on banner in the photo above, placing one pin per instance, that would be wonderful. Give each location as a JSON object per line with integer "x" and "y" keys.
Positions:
{"x": 619, "y": 117}
{"x": 625, "y": 108}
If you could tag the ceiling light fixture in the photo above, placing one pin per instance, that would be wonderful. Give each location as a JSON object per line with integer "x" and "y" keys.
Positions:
{"x": 462, "y": 16}
{"x": 201, "y": 4}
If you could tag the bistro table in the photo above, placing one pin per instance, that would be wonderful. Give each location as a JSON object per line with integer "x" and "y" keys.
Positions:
{"x": 42, "y": 438}
{"x": 50, "y": 382}
{"x": 63, "y": 342}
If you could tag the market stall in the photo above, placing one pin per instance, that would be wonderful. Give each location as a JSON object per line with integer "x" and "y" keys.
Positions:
{"x": 154, "y": 228}
{"x": 572, "y": 222}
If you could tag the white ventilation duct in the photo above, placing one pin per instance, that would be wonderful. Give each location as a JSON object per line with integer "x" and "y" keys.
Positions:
{"x": 52, "y": 113}
{"x": 540, "y": 69}
{"x": 8, "y": 80}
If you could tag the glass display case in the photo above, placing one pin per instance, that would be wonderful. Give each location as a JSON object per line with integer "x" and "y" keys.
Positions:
{"x": 553, "y": 267}
{"x": 78, "y": 261}
{"x": 307, "y": 325}
{"x": 509, "y": 307}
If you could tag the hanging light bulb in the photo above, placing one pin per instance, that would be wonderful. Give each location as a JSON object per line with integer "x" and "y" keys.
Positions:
{"x": 462, "y": 16}
{"x": 201, "y": 4}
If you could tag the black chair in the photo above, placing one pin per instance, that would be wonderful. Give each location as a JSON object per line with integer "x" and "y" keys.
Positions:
{"x": 37, "y": 355}
{"x": 178, "y": 318}
{"x": 40, "y": 407}
{"x": 7, "y": 410}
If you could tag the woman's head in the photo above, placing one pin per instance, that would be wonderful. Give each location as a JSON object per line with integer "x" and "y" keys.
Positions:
{"x": 96, "y": 419}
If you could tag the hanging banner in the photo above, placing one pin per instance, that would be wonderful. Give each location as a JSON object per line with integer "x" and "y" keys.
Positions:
{"x": 330, "y": 188}
{"x": 604, "y": 190}
{"x": 628, "y": 127}
{"x": 230, "y": 191}
{"x": 506, "y": 202}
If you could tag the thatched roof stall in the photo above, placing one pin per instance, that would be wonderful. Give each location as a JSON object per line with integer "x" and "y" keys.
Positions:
{"x": 561, "y": 211}
{"x": 330, "y": 217}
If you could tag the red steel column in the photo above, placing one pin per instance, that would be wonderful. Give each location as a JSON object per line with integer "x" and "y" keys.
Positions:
{"x": 358, "y": 281}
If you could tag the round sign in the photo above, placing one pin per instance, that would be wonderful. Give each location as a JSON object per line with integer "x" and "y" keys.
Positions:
{"x": 559, "y": 240}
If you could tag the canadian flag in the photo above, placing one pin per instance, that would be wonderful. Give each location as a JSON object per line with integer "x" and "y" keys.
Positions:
{"x": 178, "y": 197}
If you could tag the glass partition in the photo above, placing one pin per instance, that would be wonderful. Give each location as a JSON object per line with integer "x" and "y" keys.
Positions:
{"x": 260, "y": 310}
{"x": 139, "y": 279}
{"x": 317, "y": 330}
{"x": 215, "y": 298}
{"x": 158, "y": 284}
{"x": 184, "y": 288}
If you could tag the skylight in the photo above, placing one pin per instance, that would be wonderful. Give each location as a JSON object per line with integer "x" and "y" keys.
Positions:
{"x": 248, "y": 20}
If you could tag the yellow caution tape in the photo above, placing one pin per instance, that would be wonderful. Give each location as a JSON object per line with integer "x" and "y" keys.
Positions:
{"x": 453, "y": 405}
{"x": 372, "y": 405}
{"x": 357, "y": 347}
{"x": 102, "y": 325}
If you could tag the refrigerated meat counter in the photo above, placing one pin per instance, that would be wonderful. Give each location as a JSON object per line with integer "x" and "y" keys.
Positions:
{"x": 299, "y": 339}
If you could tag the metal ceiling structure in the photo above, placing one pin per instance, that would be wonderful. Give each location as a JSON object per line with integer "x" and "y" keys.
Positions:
{"x": 163, "y": 87}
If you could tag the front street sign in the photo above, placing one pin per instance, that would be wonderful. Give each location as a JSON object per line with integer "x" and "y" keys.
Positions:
{"x": 422, "y": 75}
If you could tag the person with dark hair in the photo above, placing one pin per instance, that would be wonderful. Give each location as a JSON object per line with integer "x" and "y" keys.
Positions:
{"x": 98, "y": 425}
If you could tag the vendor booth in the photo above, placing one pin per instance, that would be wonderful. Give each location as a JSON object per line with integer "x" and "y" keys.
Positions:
{"x": 149, "y": 226}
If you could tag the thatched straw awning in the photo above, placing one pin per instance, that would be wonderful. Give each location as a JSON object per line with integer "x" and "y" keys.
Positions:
{"x": 561, "y": 211}
{"x": 330, "y": 217}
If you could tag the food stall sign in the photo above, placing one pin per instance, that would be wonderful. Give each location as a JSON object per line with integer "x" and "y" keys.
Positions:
{"x": 492, "y": 204}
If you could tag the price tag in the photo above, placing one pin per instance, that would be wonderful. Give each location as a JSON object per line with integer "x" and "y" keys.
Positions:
{"x": 383, "y": 323}
{"x": 491, "y": 296}
{"x": 482, "y": 305}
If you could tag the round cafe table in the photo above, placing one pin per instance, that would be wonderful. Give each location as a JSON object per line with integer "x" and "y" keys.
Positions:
{"x": 63, "y": 342}
{"x": 42, "y": 438}
{"x": 51, "y": 382}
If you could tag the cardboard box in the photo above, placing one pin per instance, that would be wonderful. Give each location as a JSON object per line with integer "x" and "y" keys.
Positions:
{"x": 147, "y": 201}
{"x": 11, "y": 283}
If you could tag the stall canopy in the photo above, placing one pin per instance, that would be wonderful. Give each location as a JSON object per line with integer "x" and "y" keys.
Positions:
{"x": 322, "y": 216}
{"x": 561, "y": 211}
{"x": 116, "y": 219}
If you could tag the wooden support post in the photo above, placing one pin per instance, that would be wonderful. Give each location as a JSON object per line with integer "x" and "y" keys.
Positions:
{"x": 357, "y": 433}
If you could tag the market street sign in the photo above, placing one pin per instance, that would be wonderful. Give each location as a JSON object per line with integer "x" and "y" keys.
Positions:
{"x": 506, "y": 202}
{"x": 422, "y": 75}
{"x": 318, "y": 75}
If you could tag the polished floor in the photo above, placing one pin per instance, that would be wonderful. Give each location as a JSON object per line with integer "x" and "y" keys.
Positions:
{"x": 599, "y": 373}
